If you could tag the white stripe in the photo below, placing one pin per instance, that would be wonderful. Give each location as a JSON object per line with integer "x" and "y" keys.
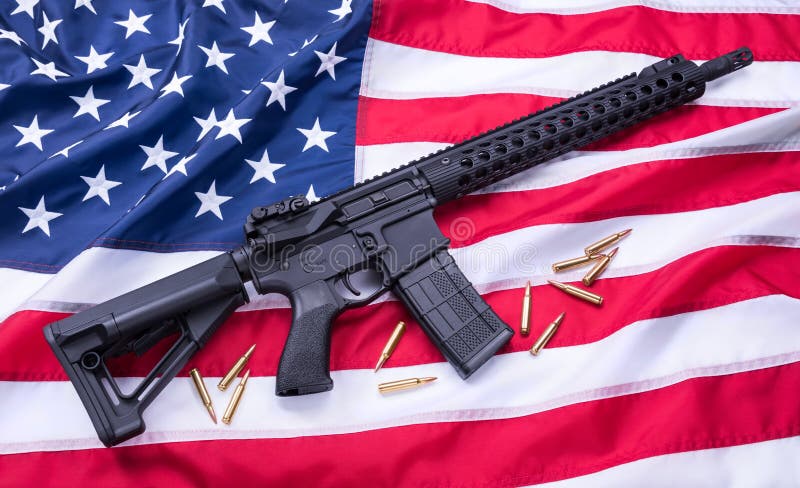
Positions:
{"x": 775, "y": 132}
{"x": 770, "y": 463}
{"x": 499, "y": 262}
{"x": 658, "y": 352}
{"x": 689, "y": 6}
{"x": 400, "y": 72}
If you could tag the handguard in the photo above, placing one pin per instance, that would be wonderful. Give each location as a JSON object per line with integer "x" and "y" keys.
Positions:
{"x": 192, "y": 303}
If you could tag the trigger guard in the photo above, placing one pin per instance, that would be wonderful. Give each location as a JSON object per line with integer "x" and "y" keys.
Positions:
{"x": 349, "y": 285}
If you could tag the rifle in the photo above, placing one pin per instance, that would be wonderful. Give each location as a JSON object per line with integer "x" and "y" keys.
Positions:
{"x": 347, "y": 249}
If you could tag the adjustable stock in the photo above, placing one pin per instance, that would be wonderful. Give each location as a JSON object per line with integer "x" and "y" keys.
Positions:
{"x": 192, "y": 303}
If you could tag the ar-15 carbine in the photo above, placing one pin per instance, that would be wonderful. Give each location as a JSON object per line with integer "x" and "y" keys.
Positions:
{"x": 350, "y": 247}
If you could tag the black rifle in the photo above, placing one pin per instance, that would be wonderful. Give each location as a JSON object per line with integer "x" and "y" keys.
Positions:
{"x": 347, "y": 249}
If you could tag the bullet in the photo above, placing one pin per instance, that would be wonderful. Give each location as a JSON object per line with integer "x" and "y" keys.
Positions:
{"x": 200, "y": 385}
{"x": 390, "y": 346}
{"x": 525, "y": 325}
{"x": 547, "y": 334}
{"x": 598, "y": 268}
{"x": 235, "y": 370}
{"x": 605, "y": 242}
{"x": 235, "y": 399}
{"x": 404, "y": 384}
{"x": 573, "y": 263}
{"x": 578, "y": 292}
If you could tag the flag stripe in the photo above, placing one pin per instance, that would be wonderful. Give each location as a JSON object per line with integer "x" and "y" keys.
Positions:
{"x": 696, "y": 6}
{"x": 453, "y": 119}
{"x": 402, "y": 72}
{"x": 776, "y": 132}
{"x": 496, "y": 262}
{"x": 766, "y": 463}
{"x": 474, "y": 29}
{"x": 699, "y": 281}
{"x": 568, "y": 441}
{"x": 661, "y": 187}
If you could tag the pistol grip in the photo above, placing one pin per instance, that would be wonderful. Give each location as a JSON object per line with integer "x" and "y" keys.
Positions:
{"x": 304, "y": 366}
{"x": 455, "y": 317}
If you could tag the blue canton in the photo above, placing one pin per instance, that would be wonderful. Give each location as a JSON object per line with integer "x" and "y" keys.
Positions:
{"x": 158, "y": 125}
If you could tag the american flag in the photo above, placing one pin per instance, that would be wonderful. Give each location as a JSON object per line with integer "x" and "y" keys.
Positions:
{"x": 136, "y": 136}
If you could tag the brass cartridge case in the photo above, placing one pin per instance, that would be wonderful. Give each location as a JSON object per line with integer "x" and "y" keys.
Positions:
{"x": 547, "y": 334}
{"x": 230, "y": 410}
{"x": 404, "y": 384}
{"x": 200, "y": 386}
{"x": 237, "y": 367}
{"x": 525, "y": 323}
{"x": 605, "y": 242}
{"x": 598, "y": 268}
{"x": 390, "y": 346}
{"x": 579, "y": 293}
{"x": 573, "y": 263}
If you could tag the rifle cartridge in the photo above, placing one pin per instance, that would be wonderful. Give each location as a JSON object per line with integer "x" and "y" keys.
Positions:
{"x": 598, "y": 268}
{"x": 230, "y": 410}
{"x": 391, "y": 344}
{"x": 235, "y": 369}
{"x": 573, "y": 263}
{"x": 606, "y": 242}
{"x": 547, "y": 334}
{"x": 404, "y": 384}
{"x": 200, "y": 386}
{"x": 525, "y": 323}
{"x": 585, "y": 295}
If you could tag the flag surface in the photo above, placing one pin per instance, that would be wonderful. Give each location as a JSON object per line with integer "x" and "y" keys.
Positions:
{"x": 136, "y": 136}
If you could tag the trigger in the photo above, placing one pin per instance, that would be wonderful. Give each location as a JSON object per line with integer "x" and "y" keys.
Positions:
{"x": 349, "y": 286}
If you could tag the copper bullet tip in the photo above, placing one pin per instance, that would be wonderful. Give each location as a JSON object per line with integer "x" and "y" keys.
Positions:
{"x": 250, "y": 351}
{"x": 560, "y": 318}
{"x": 245, "y": 377}
{"x": 625, "y": 232}
{"x": 557, "y": 284}
{"x": 613, "y": 252}
{"x": 427, "y": 379}
{"x": 381, "y": 361}
{"x": 212, "y": 413}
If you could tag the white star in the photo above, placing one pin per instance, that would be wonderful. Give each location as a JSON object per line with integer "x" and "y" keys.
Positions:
{"x": 93, "y": 60}
{"x": 25, "y": 6}
{"x": 328, "y": 61}
{"x": 310, "y": 195}
{"x": 49, "y": 70}
{"x": 178, "y": 41}
{"x": 278, "y": 91}
{"x": 264, "y": 168}
{"x": 315, "y": 136}
{"x": 229, "y": 126}
{"x": 174, "y": 85}
{"x": 11, "y": 36}
{"x": 157, "y": 155}
{"x": 215, "y": 3}
{"x": 210, "y": 201}
{"x": 134, "y": 24}
{"x": 206, "y": 124}
{"x": 85, "y": 3}
{"x": 306, "y": 42}
{"x": 65, "y": 152}
{"x": 122, "y": 121}
{"x": 141, "y": 73}
{"x": 88, "y": 104}
{"x": 216, "y": 57}
{"x": 259, "y": 31}
{"x": 99, "y": 186}
{"x": 342, "y": 11}
{"x": 39, "y": 217}
{"x": 180, "y": 166}
{"x": 48, "y": 29}
{"x": 32, "y": 134}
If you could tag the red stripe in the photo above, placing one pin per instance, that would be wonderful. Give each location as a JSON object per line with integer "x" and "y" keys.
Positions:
{"x": 474, "y": 29}
{"x": 699, "y": 281}
{"x": 658, "y": 187}
{"x": 453, "y": 119}
{"x": 579, "y": 439}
